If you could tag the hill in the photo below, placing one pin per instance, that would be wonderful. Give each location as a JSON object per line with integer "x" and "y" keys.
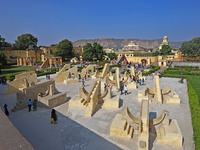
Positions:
{"x": 119, "y": 43}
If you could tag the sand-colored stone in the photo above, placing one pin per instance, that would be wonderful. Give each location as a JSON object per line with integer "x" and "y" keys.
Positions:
{"x": 90, "y": 100}
{"x": 21, "y": 81}
{"x": 65, "y": 74}
{"x": 89, "y": 69}
{"x": 157, "y": 95}
{"x": 168, "y": 132}
{"x": 38, "y": 92}
{"x": 143, "y": 136}
{"x": 64, "y": 68}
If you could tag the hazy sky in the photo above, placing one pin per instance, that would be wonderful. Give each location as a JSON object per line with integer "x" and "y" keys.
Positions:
{"x": 54, "y": 20}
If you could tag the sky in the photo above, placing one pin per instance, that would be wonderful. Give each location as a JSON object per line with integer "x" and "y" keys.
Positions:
{"x": 52, "y": 21}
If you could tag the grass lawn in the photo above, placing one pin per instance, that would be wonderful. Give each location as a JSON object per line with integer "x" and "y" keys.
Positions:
{"x": 8, "y": 70}
{"x": 195, "y": 83}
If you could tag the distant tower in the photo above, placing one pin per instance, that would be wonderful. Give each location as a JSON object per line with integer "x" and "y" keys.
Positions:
{"x": 165, "y": 42}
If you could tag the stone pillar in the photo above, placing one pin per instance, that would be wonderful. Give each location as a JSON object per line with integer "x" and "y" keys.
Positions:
{"x": 117, "y": 78}
{"x": 24, "y": 61}
{"x": 157, "y": 89}
{"x": 20, "y": 61}
{"x": 17, "y": 61}
{"x": 132, "y": 71}
{"x": 55, "y": 62}
{"x": 51, "y": 90}
{"x": 26, "y": 83}
{"x": 60, "y": 61}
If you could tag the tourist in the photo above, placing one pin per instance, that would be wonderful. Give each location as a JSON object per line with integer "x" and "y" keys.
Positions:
{"x": 6, "y": 109}
{"x": 88, "y": 74}
{"x": 53, "y": 116}
{"x": 85, "y": 76}
{"x": 126, "y": 90}
{"x": 73, "y": 76}
{"x": 121, "y": 89}
{"x": 46, "y": 77}
{"x": 79, "y": 77}
{"x": 29, "y": 103}
{"x": 83, "y": 82}
{"x": 35, "y": 105}
{"x": 153, "y": 75}
{"x": 104, "y": 87}
{"x": 142, "y": 81}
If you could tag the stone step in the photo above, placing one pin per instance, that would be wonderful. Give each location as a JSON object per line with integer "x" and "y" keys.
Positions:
{"x": 125, "y": 126}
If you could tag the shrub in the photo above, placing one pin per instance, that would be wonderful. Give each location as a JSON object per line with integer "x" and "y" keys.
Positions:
{"x": 195, "y": 113}
{"x": 151, "y": 71}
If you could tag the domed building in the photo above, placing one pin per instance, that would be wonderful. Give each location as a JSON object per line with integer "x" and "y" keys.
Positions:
{"x": 165, "y": 42}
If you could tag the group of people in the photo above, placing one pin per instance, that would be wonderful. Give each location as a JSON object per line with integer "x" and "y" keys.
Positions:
{"x": 30, "y": 103}
{"x": 125, "y": 89}
{"x": 3, "y": 81}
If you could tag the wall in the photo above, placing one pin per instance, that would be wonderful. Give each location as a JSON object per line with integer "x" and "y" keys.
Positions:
{"x": 192, "y": 64}
{"x": 31, "y": 93}
{"x": 10, "y": 138}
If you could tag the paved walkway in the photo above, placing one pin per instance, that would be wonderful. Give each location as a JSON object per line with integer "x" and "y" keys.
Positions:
{"x": 162, "y": 68}
{"x": 75, "y": 131}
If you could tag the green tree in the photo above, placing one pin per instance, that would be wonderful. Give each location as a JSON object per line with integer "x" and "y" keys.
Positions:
{"x": 3, "y": 43}
{"x": 166, "y": 50}
{"x": 23, "y": 41}
{"x": 64, "y": 49}
{"x": 88, "y": 52}
{"x": 95, "y": 51}
{"x": 191, "y": 48}
{"x": 156, "y": 53}
{"x": 2, "y": 59}
{"x": 112, "y": 55}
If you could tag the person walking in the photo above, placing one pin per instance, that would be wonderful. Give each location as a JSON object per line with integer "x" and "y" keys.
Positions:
{"x": 142, "y": 81}
{"x": 35, "y": 105}
{"x": 153, "y": 75}
{"x": 6, "y": 109}
{"x": 53, "y": 116}
{"x": 104, "y": 87}
{"x": 29, "y": 103}
{"x": 83, "y": 82}
{"x": 85, "y": 76}
{"x": 126, "y": 90}
{"x": 121, "y": 89}
{"x": 79, "y": 77}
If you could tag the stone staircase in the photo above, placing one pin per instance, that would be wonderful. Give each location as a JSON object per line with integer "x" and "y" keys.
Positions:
{"x": 120, "y": 128}
{"x": 160, "y": 133}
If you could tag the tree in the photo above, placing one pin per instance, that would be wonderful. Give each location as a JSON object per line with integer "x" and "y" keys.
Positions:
{"x": 3, "y": 43}
{"x": 112, "y": 55}
{"x": 88, "y": 52}
{"x": 2, "y": 59}
{"x": 64, "y": 49}
{"x": 24, "y": 41}
{"x": 95, "y": 51}
{"x": 191, "y": 48}
{"x": 166, "y": 50}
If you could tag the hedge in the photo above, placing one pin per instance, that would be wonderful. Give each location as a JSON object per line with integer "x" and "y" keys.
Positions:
{"x": 151, "y": 71}
{"x": 41, "y": 73}
{"x": 195, "y": 114}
